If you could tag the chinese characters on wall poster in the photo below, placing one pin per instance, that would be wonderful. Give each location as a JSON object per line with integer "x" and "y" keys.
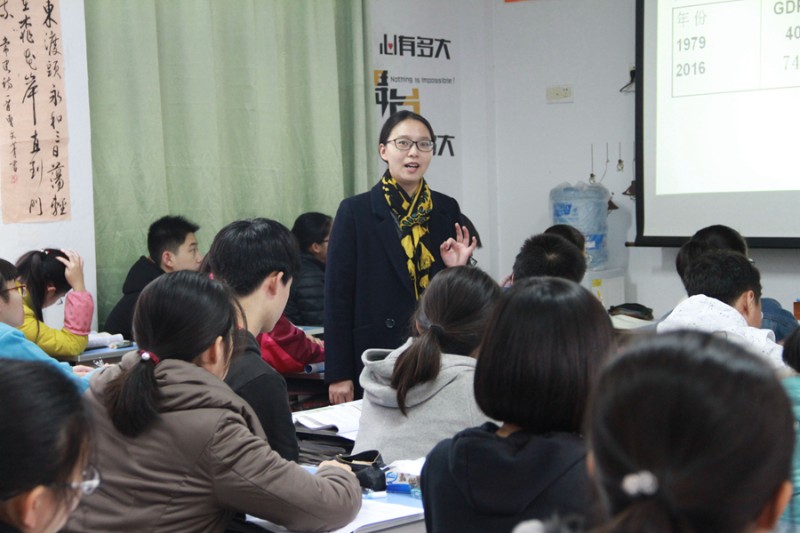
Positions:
{"x": 33, "y": 123}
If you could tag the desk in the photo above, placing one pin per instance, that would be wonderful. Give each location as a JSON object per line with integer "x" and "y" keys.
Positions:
{"x": 397, "y": 513}
{"x": 108, "y": 355}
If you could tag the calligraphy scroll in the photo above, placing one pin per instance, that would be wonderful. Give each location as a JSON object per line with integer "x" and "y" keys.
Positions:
{"x": 33, "y": 128}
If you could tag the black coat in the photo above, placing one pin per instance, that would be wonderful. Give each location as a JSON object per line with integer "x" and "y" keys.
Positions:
{"x": 306, "y": 305}
{"x": 120, "y": 319}
{"x": 478, "y": 481}
{"x": 369, "y": 298}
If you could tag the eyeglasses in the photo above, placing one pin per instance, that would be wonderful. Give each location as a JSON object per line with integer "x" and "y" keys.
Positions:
{"x": 404, "y": 145}
{"x": 21, "y": 287}
{"x": 90, "y": 480}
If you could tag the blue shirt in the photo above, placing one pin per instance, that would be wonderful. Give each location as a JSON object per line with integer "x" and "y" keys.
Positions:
{"x": 14, "y": 345}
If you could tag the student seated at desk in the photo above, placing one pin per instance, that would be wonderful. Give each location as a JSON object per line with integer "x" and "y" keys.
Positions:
{"x": 180, "y": 451}
{"x": 718, "y": 237}
{"x": 537, "y": 363}
{"x": 48, "y": 275}
{"x": 172, "y": 246}
{"x": 678, "y": 447}
{"x": 13, "y": 344}
{"x": 257, "y": 258}
{"x": 288, "y": 349}
{"x": 44, "y": 438}
{"x": 306, "y": 305}
{"x": 422, "y": 392}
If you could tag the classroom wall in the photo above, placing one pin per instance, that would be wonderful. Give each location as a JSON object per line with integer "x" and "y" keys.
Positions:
{"x": 77, "y": 233}
{"x": 516, "y": 147}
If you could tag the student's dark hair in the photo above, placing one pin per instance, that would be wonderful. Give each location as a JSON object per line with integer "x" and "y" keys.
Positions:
{"x": 246, "y": 251}
{"x": 44, "y": 428}
{"x": 717, "y": 237}
{"x": 571, "y": 233}
{"x": 39, "y": 269}
{"x": 452, "y": 314}
{"x": 722, "y": 274}
{"x": 690, "y": 251}
{"x": 399, "y": 117}
{"x": 540, "y": 354}
{"x": 311, "y": 228}
{"x": 167, "y": 234}
{"x": 8, "y": 272}
{"x": 791, "y": 350}
{"x": 721, "y": 237}
{"x": 549, "y": 255}
{"x": 673, "y": 407}
{"x": 178, "y": 316}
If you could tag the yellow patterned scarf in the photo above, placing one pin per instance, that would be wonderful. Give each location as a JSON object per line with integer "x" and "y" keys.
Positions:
{"x": 412, "y": 216}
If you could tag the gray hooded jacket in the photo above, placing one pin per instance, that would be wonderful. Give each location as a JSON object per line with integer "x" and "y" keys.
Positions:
{"x": 436, "y": 410}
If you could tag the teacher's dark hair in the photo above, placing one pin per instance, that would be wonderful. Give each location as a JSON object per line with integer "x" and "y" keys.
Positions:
{"x": 673, "y": 406}
{"x": 178, "y": 316}
{"x": 451, "y": 317}
{"x": 540, "y": 354}
{"x": 399, "y": 117}
{"x": 44, "y": 428}
{"x": 39, "y": 269}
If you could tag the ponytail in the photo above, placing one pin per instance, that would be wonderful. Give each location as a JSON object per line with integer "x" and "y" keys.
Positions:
{"x": 420, "y": 363}
{"x": 650, "y": 514}
{"x": 133, "y": 398}
{"x": 451, "y": 317}
{"x": 178, "y": 316}
{"x": 39, "y": 269}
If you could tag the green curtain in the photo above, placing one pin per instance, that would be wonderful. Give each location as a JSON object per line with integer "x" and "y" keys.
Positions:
{"x": 218, "y": 110}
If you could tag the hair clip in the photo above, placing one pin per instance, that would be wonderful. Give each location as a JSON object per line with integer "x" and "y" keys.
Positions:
{"x": 149, "y": 356}
{"x": 211, "y": 276}
{"x": 642, "y": 483}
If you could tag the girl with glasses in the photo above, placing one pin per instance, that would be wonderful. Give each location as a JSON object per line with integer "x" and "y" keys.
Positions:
{"x": 49, "y": 275}
{"x": 385, "y": 246}
{"x": 44, "y": 444}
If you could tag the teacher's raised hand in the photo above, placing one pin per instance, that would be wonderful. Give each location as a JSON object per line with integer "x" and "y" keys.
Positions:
{"x": 456, "y": 252}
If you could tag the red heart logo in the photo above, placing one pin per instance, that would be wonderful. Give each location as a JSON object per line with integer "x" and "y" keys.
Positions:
{"x": 390, "y": 45}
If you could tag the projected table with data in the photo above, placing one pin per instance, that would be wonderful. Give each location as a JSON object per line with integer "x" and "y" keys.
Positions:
{"x": 738, "y": 45}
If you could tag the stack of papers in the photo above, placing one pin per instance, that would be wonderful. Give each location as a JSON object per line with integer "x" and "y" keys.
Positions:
{"x": 344, "y": 416}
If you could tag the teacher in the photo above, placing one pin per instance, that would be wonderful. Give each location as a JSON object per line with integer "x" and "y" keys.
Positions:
{"x": 385, "y": 246}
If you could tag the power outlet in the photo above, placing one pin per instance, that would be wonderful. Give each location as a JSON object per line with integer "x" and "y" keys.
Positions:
{"x": 559, "y": 94}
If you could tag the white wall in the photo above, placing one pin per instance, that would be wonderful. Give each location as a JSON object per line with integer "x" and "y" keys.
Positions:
{"x": 516, "y": 147}
{"x": 77, "y": 233}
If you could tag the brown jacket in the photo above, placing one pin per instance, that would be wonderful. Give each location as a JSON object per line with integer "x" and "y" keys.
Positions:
{"x": 205, "y": 458}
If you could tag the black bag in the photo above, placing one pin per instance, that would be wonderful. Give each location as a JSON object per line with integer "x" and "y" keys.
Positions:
{"x": 368, "y": 467}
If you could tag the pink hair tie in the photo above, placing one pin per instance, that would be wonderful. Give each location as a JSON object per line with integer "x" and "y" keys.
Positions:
{"x": 149, "y": 356}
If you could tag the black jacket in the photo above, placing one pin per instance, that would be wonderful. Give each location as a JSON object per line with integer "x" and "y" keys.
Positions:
{"x": 369, "y": 299}
{"x": 306, "y": 305}
{"x": 264, "y": 389}
{"x": 120, "y": 319}
{"x": 478, "y": 481}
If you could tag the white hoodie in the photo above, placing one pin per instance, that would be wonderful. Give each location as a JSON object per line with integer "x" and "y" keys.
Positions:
{"x": 702, "y": 313}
